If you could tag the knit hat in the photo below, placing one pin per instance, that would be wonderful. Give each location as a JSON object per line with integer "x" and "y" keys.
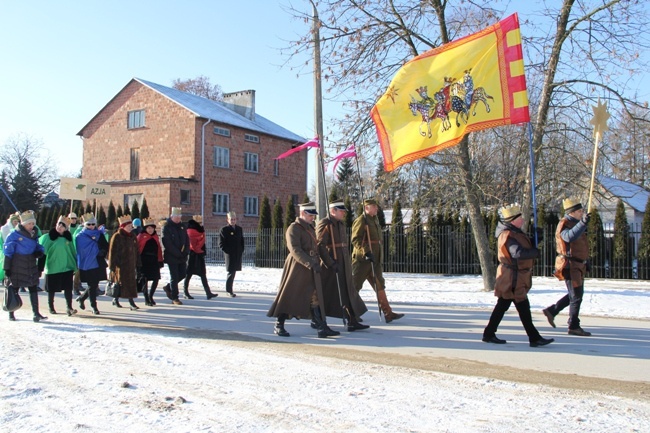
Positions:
{"x": 14, "y": 217}
{"x": 510, "y": 213}
{"x": 89, "y": 218}
{"x": 176, "y": 211}
{"x": 72, "y": 215}
{"x": 148, "y": 222}
{"x": 571, "y": 204}
{"x": 308, "y": 208}
{"x": 27, "y": 217}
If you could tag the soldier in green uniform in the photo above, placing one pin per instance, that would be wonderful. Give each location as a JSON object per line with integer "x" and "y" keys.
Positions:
{"x": 368, "y": 256}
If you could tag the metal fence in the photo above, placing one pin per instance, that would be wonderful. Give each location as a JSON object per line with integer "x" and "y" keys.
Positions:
{"x": 444, "y": 250}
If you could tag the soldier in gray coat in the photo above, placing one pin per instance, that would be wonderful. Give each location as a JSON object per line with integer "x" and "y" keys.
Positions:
{"x": 300, "y": 291}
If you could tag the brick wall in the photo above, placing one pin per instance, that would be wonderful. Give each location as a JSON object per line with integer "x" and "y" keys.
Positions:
{"x": 170, "y": 147}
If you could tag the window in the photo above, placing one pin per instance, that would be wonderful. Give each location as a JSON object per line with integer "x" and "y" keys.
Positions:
{"x": 250, "y": 206}
{"x": 135, "y": 163}
{"x": 250, "y": 161}
{"x": 252, "y": 138}
{"x": 222, "y": 131}
{"x": 220, "y": 203}
{"x": 136, "y": 119}
{"x": 130, "y": 199}
{"x": 276, "y": 167}
{"x": 294, "y": 197}
{"x": 221, "y": 157}
{"x": 185, "y": 196}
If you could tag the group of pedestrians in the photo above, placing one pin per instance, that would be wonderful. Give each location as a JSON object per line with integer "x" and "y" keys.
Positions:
{"x": 320, "y": 277}
{"x": 131, "y": 258}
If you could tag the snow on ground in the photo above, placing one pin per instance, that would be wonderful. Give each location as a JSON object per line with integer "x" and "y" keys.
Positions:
{"x": 84, "y": 374}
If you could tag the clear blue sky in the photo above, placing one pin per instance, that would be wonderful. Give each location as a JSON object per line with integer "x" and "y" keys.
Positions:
{"x": 62, "y": 61}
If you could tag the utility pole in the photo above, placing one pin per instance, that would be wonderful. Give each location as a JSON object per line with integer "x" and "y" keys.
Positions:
{"x": 321, "y": 199}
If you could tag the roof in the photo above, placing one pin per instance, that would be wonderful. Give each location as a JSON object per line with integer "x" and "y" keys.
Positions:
{"x": 633, "y": 195}
{"x": 218, "y": 112}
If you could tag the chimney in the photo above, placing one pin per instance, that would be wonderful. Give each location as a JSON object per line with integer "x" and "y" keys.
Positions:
{"x": 242, "y": 102}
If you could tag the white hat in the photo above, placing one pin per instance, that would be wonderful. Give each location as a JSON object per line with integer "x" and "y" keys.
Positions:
{"x": 308, "y": 208}
{"x": 176, "y": 211}
{"x": 27, "y": 217}
{"x": 338, "y": 205}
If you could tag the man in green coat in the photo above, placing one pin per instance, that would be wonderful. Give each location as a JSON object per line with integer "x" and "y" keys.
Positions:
{"x": 368, "y": 256}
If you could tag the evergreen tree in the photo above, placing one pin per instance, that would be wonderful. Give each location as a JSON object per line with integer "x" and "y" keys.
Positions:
{"x": 347, "y": 180}
{"x": 277, "y": 238}
{"x": 111, "y": 216}
{"x": 381, "y": 216}
{"x": 135, "y": 210}
{"x": 127, "y": 210}
{"x": 291, "y": 213}
{"x": 89, "y": 208}
{"x": 621, "y": 267}
{"x": 415, "y": 242}
{"x": 101, "y": 216}
{"x": 119, "y": 212}
{"x": 6, "y": 207}
{"x": 597, "y": 250}
{"x": 305, "y": 199}
{"x": 349, "y": 216}
{"x": 262, "y": 247}
{"x": 644, "y": 245}
{"x": 25, "y": 191}
{"x": 79, "y": 210}
{"x": 397, "y": 241}
{"x": 55, "y": 213}
{"x": 43, "y": 218}
{"x": 144, "y": 210}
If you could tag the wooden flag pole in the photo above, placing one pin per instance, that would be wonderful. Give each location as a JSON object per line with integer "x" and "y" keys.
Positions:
{"x": 600, "y": 125}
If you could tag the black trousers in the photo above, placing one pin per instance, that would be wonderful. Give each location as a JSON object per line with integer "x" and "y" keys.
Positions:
{"x": 177, "y": 272}
{"x": 523, "y": 309}
{"x": 229, "y": 280}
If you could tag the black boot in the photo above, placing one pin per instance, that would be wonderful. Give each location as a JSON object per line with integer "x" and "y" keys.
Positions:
{"x": 12, "y": 318}
{"x": 93, "y": 305}
{"x": 323, "y": 330}
{"x": 132, "y": 304}
{"x": 82, "y": 298}
{"x": 353, "y": 325}
{"x": 145, "y": 292}
{"x": 279, "y": 326}
{"x": 116, "y": 303}
{"x": 50, "y": 302}
{"x": 187, "y": 295}
{"x": 33, "y": 298}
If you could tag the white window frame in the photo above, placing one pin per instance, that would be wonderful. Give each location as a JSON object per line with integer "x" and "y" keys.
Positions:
{"x": 251, "y": 162}
{"x": 221, "y": 158}
{"x": 220, "y": 203}
{"x": 251, "y": 206}
{"x": 252, "y": 138}
{"x": 221, "y": 131}
{"x": 135, "y": 119}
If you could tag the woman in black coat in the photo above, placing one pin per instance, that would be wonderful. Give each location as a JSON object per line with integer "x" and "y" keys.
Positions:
{"x": 151, "y": 256}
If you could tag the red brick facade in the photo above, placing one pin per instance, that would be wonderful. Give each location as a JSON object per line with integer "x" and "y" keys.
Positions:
{"x": 170, "y": 146}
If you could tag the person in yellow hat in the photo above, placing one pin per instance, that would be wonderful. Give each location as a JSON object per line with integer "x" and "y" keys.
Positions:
{"x": 516, "y": 255}
{"x": 572, "y": 248}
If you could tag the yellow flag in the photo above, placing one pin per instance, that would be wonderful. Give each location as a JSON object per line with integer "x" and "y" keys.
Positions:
{"x": 474, "y": 83}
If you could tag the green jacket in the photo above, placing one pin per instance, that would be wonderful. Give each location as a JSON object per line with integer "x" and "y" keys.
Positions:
{"x": 60, "y": 252}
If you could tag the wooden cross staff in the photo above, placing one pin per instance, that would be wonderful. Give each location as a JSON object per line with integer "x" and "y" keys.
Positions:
{"x": 600, "y": 125}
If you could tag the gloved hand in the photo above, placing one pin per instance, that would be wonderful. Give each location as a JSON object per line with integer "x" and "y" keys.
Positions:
{"x": 316, "y": 267}
{"x": 37, "y": 254}
{"x": 585, "y": 218}
{"x": 335, "y": 267}
{"x": 370, "y": 257}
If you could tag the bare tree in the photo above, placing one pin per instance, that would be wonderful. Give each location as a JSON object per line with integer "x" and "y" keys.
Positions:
{"x": 30, "y": 173}
{"x": 200, "y": 86}
{"x": 364, "y": 42}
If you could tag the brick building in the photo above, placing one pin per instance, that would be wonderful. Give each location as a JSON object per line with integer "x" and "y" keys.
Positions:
{"x": 181, "y": 150}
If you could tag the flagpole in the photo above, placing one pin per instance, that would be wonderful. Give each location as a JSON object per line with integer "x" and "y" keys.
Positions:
{"x": 321, "y": 204}
{"x": 532, "y": 181}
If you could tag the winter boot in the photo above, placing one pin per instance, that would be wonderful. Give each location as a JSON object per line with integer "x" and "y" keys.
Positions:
{"x": 324, "y": 331}
{"x": 33, "y": 298}
{"x": 385, "y": 307}
{"x": 279, "y": 326}
{"x": 353, "y": 324}
{"x": 116, "y": 303}
{"x": 50, "y": 302}
{"x": 81, "y": 299}
{"x": 12, "y": 317}
{"x": 132, "y": 304}
{"x": 93, "y": 305}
